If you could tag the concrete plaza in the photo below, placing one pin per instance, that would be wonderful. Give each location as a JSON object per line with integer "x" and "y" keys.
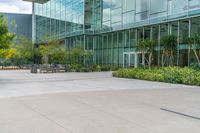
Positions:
{"x": 95, "y": 103}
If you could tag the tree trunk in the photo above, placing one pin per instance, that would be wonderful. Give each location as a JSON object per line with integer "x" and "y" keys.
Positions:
{"x": 150, "y": 60}
{"x": 46, "y": 59}
{"x": 143, "y": 59}
{"x": 189, "y": 51}
{"x": 162, "y": 60}
{"x": 196, "y": 55}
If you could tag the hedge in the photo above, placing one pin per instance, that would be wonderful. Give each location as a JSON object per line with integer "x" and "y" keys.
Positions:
{"x": 178, "y": 75}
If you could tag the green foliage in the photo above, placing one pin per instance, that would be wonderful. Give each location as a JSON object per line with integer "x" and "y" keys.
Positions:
{"x": 194, "y": 40}
{"x": 77, "y": 55}
{"x": 169, "y": 44}
{"x": 96, "y": 68}
{"x": 53, "y": 53}
{"x": 142, "y": 45}
{"x": 106, "y": 68}
{"x": 194, "y": 44}
{"x": 7, "y": 53}
{"x": 88, "y": 55}
{"x": 25, "y": 51}
{"x": 166, "y": 74}
{"x": 59, "y": 56}
{"x": 90, "y": 68}
{"x": 169, "y": 49}
{"x": 5, "y": 36}
{"x": 195, "y": 66}
{"x": 75, "y": 67}
{"x": 147, "y": 48}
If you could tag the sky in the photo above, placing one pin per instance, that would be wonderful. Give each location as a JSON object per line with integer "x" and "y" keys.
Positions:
{"x": 15, "y": 6}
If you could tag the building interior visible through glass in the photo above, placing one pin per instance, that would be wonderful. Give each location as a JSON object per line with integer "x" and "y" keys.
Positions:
{"x": 112, "y": 28}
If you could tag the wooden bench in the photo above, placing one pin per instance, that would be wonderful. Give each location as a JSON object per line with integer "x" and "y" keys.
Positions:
{"x": 52, "y": 69}
{"x": 57, "y": 70}
{"x": 46, "y": 69}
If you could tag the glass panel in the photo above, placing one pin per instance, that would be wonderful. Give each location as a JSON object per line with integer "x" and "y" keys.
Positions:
{"x": 58, "y": 18}
{"x": 147, "y": 31}
{"x": 128, "y": 5}
{"x": 142, "y": 5}
{"x": 183, "y": 35}
{"x": 158, "y": 9}
{"x": 116, "y": 3}
{"x": 194, "y": 4}
{"x": 141, "y": 16}
{"x": 106, "y": 10}
{"x": 129, "y": 17}
{"x": 116, "y": 15}
{"x": 179, "y": 6}
{"x": 155, "y": 37}
{"x": 132, "y": 38}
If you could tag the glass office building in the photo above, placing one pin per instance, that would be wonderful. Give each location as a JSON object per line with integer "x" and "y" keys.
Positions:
{"x": 112, "y": 28}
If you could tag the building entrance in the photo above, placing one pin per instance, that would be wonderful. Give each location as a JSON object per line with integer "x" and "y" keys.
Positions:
{"x": 131, "y": 59}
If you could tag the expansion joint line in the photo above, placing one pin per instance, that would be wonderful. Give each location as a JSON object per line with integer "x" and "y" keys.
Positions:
{"x": 43, "y": 115}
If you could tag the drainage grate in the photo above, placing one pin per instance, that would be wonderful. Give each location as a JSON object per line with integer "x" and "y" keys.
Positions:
{"x": 182, "y": 114}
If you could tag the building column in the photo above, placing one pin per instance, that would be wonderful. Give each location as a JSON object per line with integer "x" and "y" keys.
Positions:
{"x": 189, "y": 35}
{"x": 178, "y": 45}
{"x": 159, "y": 48}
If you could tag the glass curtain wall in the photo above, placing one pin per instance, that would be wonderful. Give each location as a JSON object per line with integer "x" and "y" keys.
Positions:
{"x": 109, "y": 48}
{"x": 119, "y": 14}
{"x": 58, "y": 18}
{"x": 64, "y": 18}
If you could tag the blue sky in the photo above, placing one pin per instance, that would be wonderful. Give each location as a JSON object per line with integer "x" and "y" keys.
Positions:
{"x": 15, "y": 6}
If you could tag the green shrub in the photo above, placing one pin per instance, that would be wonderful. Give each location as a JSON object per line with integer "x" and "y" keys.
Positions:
{"x": 106, "y": 68}
{"x": 75, "y": 67}
{"x": 195, "y": 66}
{"x": 167, "y": 74}
{"x": 96, "y": 68}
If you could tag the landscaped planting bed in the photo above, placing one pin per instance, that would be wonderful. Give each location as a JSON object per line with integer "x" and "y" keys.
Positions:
{"x": 167, "y": 74}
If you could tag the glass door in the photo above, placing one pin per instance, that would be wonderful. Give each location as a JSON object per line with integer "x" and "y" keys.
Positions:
{"x": 130, "y": 59}
{"x": 126, "y": 59}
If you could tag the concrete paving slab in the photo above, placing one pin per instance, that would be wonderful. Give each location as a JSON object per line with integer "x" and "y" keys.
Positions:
{"x": 94, "y": 103}
{"x": 33, "y": 125}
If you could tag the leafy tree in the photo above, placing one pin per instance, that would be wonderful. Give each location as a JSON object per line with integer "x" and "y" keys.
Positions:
{"x": 59, "y": 56}
{"x": 146, "y": 47}
{"x": 48, "y": 49}
{"x": 194, "y": 44}
{"x": 77, "y": 55}
{"x": 88, "y": 57}
{"x": 26, "y": 52}
{"x": 53, "y": 52}
{"x": 150, "y": 50}
{"x": 7, "y": 53}
{"x": 142, "y": 47}
{"x": 5, "y": 36}
{"x": 169, "y": 49}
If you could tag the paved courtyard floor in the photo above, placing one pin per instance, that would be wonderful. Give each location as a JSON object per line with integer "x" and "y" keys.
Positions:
{"x": 95, "y": 103}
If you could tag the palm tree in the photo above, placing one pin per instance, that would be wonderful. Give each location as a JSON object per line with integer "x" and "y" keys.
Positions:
{"x": 169, "y": 49}
{"x": 193, "y": 44}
